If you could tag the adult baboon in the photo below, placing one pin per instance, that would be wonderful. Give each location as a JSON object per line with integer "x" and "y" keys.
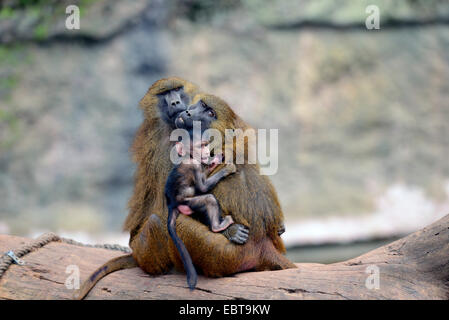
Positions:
{"x": 246, "y": 195}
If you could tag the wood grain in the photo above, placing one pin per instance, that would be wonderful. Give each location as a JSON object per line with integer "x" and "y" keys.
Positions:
{"x": 414, "y": 267}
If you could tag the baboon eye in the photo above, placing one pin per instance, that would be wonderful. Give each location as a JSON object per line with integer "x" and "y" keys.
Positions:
{"x": 177, "y": 89}
{"x": 211, "y": 113}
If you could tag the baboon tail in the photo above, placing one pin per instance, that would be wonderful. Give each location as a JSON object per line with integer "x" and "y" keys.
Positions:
{"x": 119, "y": 263}
{"x": 192, "y": 276}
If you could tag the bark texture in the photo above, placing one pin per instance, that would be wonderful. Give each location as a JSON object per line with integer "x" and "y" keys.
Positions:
{"x": 414, "y": 267}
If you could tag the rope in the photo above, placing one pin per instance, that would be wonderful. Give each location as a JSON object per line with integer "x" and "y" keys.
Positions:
{"x": 116, "y": 247}
{"x": 6, "y": 260}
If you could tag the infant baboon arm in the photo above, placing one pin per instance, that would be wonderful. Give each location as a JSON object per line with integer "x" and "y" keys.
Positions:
{"x": 207, "y": 184}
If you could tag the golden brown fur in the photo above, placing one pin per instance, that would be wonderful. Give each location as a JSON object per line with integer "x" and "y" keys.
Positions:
{"x": 151, "y": 153}
{"x": 248, "y": 196}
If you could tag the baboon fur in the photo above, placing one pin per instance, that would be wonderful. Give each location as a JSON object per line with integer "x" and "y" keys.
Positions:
{"x": 246, "y": 195}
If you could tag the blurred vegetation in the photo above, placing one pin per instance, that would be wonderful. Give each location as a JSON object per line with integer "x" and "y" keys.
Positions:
{"x": 11, "y": 58}
{"x": 36, "y": 17}
{"x": 203, "y": 10}
{"x": 357, "y": 111}
{"x": 286, "y": 11}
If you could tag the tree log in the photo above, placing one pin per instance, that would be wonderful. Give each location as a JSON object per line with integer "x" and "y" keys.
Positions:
{"x": 414, "y": 267}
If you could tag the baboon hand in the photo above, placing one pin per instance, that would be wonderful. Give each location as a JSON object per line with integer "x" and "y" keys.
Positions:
{"x": 236, "y": 233}
{"x": 281, "y": 229}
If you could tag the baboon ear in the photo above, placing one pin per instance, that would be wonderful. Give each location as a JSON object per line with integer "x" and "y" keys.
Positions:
{"x": 180, "y": 149}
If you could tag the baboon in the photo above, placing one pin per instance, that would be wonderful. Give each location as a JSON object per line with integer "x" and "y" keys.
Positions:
{"x": 247, "y": 196}
{"x": 152, "y": 144}
{"x": 172, "y": 96}
{"x": 251, "y": 201}
{"x": 186, "y": 192}
{"x": 195, "y": 112}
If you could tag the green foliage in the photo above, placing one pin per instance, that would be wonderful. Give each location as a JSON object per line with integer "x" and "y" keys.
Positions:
{"x": 42, "y": 14}
{"x": 41, "y": 31}
{"x": 6, "y": 13}
{"x": 9, "y": 128}
{"x": 11, "y": 58}
{"x": 8, "y": 82}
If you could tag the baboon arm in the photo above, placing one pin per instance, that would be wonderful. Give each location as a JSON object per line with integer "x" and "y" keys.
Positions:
{"x": 207, "y": 184}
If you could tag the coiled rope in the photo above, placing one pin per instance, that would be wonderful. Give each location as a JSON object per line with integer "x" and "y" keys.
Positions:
{"x": 6, "y": 260}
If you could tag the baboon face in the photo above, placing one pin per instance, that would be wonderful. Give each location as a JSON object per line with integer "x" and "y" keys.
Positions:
{"x": 195, "y": 148}
{"x": 199, "y": 111}
{"x": 171, "y": 103}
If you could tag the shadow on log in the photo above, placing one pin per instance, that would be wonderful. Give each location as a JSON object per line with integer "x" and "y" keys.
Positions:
{"x": 414, "y": 267}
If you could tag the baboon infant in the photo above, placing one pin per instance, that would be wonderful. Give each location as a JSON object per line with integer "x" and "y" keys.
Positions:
{"x": 184, "y": 183}
{"x": 189, "y": 179}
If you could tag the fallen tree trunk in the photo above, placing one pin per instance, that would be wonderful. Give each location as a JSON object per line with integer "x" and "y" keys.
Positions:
{"x": 414, "y": 267}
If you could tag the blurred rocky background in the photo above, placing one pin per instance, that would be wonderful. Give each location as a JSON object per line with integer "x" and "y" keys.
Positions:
{"x": 363, "y": 115}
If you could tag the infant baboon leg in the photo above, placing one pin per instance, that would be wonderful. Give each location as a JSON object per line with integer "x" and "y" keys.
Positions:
{"x": 207, "y": 205}
{"x": 218, "y": 226}
{"x": 198, "y": 239}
